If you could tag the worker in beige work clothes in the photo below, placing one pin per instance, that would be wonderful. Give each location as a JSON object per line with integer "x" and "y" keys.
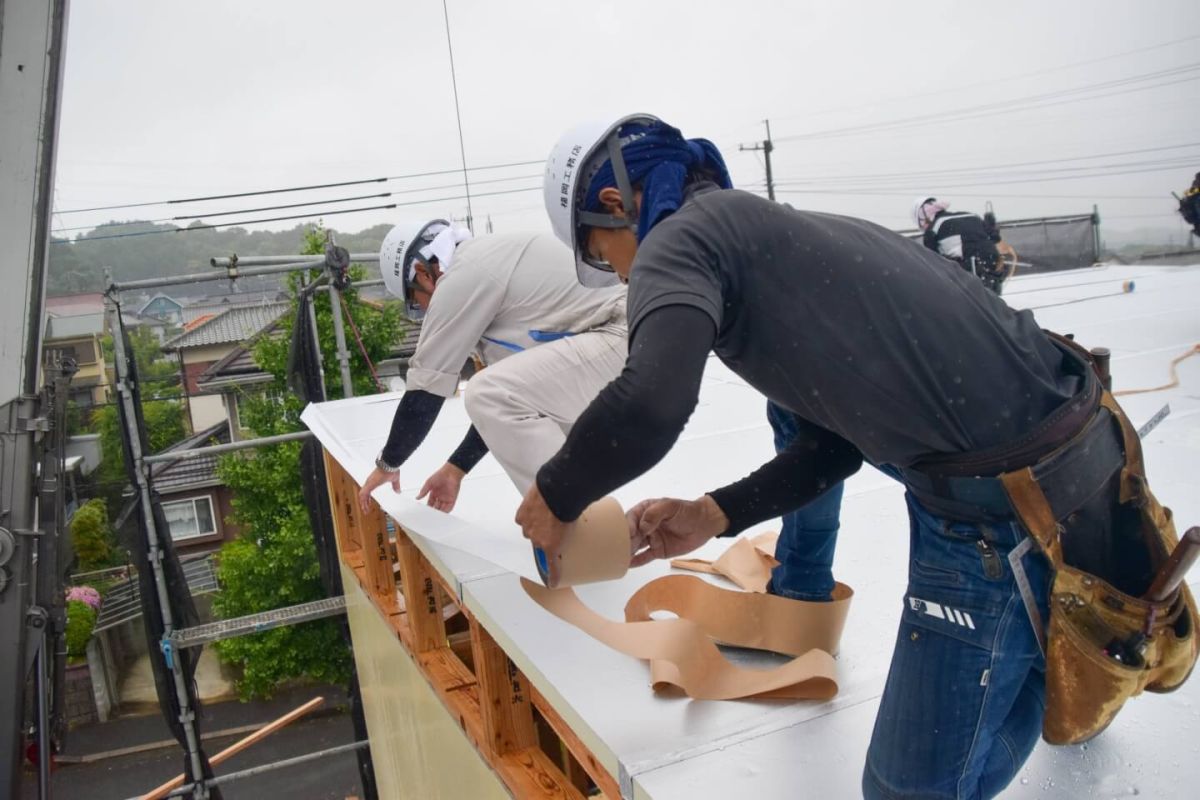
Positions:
{"x": 515, "y": 302}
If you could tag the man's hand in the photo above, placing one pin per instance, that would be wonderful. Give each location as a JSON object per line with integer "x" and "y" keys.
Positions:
{"x": 377, "y": 478}
{"x": 666, "y": 527}
{"x": 442, "y": 487}
{"x": 544, "y": 530}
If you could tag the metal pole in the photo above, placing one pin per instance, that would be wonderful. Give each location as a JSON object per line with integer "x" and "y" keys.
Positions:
{"x": 357, "y": 285}
{"x": 245, "y": 444}
{"x": 43, "y": 690}
{"x": 32, "y": 44}
{"x": 274, "y": 765}
{"x": 768, "y": 147}
{"x": 200, "y": 277}
{"x": 187, "y": 717}
{"x": 307, "y": 260}
{"x": 339, "y": 336}
{"x": 311, "y": 306}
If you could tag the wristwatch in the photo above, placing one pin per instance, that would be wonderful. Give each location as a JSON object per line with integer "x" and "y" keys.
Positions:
{"x": 383, "y": 466}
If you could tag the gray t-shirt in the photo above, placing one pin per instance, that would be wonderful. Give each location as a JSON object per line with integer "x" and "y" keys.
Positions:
{"x": 851, "y": 326}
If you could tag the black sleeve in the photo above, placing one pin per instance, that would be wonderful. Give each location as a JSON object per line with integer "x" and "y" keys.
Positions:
{"x": 467, "y": 455}
{"x": 636, "y": 419}
{"x": 414, "y": 417}
{"x": 929, "y": 239}
{"x": 814, "y": 461}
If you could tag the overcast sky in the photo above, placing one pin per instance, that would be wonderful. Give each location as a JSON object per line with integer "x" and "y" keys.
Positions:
{"x": 170, "y": 100}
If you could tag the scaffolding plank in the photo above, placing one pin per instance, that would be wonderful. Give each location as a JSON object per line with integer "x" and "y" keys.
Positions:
{"x": 263, "y": 621}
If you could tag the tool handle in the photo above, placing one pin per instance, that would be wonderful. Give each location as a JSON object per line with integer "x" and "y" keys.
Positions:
{"x": 1175, "y": 568}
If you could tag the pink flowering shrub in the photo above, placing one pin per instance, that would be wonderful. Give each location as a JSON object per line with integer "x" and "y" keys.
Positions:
{"x": 84, "y": 594}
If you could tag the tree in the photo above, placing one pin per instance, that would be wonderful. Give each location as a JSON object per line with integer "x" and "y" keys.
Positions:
{"x": 91, "y": 535}
{"x": 164, "y": 427}
{"x": 274, "y": 562}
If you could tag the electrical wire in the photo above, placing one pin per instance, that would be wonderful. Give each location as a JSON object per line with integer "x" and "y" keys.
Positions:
{"x": 929, "y": 173}
{"x": 291, "y": 205}
{"x": 1058, "y": 97}
{"x": 304, "y": 188}
{"x": 944, "y": 91}
{"x": 317, "y": 214}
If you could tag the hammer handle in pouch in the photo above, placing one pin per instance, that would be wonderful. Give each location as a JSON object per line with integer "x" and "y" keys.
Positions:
{"x": 1175, "y": 568}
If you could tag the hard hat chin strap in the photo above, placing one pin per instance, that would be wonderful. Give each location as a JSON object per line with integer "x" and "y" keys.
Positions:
{"x": 597, "y": 219}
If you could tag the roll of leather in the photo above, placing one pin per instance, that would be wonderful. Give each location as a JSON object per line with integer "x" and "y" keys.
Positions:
{"x": 595, "y": 547}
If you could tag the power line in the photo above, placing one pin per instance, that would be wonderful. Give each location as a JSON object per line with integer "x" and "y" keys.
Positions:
{"x": 290, "y": 205}
{"x": 1000, "y": 107}
{"x": 319, "y": 213}
{"x": 304, "y": 188}
{"x": 959, "y": 170}
{"x": 458, "y": 116}
{"x": 942, "y": 92}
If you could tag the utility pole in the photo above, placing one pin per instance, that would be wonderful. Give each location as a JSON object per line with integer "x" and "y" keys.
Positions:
{"x": 766, "y": 146}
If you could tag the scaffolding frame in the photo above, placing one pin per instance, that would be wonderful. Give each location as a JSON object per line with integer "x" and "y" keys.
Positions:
{"x": 335, "y": 279}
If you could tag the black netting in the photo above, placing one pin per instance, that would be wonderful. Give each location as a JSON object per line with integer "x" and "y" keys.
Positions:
{"x": 1052, "y": 243}
{"x": 179, "y": 597}
{"x": 304, "y": 378}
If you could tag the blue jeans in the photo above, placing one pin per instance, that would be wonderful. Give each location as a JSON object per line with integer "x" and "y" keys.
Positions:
{"x": 808, "y": 536}
{"x": 963, "y": 703}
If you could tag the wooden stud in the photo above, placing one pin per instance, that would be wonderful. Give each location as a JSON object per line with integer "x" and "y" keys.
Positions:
{"x": 341, "y": 503}
{"x": 599, "y": 775}
{"x": 504, "y": 695}
{"x": 423, "y": 605}
{"x": 377, "y": 557}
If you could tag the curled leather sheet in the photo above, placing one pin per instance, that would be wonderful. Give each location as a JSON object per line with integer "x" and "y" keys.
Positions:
{"x": 746, "y": 562}
{"x": 681, "y": 652}
{"x": 745, "y": 619}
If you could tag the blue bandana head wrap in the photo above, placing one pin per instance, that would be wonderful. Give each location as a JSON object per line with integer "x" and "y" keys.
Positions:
{"x": 658, "y": 159}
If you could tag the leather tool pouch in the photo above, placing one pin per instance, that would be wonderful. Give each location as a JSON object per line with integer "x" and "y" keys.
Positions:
{"x": 1104, "y": 644}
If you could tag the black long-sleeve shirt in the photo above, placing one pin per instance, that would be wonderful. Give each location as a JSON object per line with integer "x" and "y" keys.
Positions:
{"x": 866, "y": 337}
{"x": 414, "y": 418}
{"x": 636, "y": 420}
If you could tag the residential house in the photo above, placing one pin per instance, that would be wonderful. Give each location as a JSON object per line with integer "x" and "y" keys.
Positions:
{"x": 163, "y": 307}
{"x": 208, "y": 340}
{"x": 234, "y": 377}
{"x": 75, "y": 305}
{"x": 78, "y": 337}
{"x": 196, "y": 504}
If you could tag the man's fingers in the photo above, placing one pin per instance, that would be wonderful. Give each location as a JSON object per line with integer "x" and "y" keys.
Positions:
{"x": 656, "y": 513}
{"x": 424, "y": 491}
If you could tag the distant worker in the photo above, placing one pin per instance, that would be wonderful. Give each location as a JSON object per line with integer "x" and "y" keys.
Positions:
{"x": 963, "y": 237}
{"x": 549, "y": 344}
{"x": 1189, "y": 205}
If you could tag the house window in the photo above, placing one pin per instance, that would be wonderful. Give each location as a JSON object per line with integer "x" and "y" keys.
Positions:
{"x": 190, "y": 518}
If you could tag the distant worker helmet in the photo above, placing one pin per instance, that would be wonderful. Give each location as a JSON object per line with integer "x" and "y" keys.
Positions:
{"x": 399, "y": 253}
{"x": 922, "y": 213}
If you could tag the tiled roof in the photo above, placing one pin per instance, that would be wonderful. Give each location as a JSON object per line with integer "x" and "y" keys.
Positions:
{"x": 236, "y": 368}
{"x": 229, "y": 327}
{"x": 174, "y": 476}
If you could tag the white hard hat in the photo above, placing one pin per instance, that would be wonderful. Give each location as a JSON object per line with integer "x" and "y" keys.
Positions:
{"x": 399, "y": 249}
{"x": 917, "y": 206}
{"x": 574, "y": 160}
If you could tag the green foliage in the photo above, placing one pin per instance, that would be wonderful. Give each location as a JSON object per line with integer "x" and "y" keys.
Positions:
{"x": 81, "y": 621}
{"x": 274, "y": 563}
{"x": 164, "y": 427}
{"x": 91, "y": 535}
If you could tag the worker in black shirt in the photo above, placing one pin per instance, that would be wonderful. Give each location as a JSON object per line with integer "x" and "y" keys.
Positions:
{"x": 879, "y": 353}
{"x": 962, "y": 237}
{"x": 1189, "y": 205}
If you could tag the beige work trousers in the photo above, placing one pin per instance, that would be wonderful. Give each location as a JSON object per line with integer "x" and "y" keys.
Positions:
{"x": 524, "y": 405}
